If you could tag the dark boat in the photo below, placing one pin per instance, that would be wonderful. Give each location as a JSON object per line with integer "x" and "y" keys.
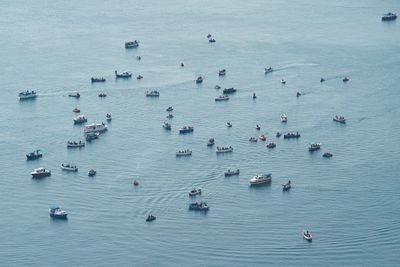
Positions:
{"x": 389, "y": 16}
{"x": 222, "y": 72}
{"x": 135, "y": 183}
{"x": 322, "y": 80}
{"x": 212, "y": 40}
{"x": 98, "y": 80}
{"x": 92, "y": 173}
{"x": 199, "y": 79}
{"x": 287, "y": 186}
{"x": 150, "y": 218}
{"x": 228, "y": 91}
{"x": 291, "y": 135}
{"x": 345, "y": 79}
{"x": 298, "y": 94}
{"x": 34, "y": 155}
{"x": 278, "y": 134}
{"x": 133, "y": 44}
{"x": 91, "y": 136}
{"x": 202, "y": 206}
{"x": 254, "y": 96}
{"x": 271, "y": 145}
{"x": 209, "y": 35}
{"x": 186, "y": 129}
{"x": 182, "y": 65}
{"x": 327, "y": 155}
{"x": 102, "y": 95}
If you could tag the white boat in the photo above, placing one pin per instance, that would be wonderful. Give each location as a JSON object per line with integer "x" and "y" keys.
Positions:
{"x": 75, "y": 144}
{"x": 314, "y": 147}
{"x": 268, "y": 70}
{"x": 307, "y": 235}
{"x": 40, "y": 172}
{"x": 57, "y": 213}
{"x": 27, "y": 95}
{"x": 222, "y": 98}
{"x": 340, "y": 119}
{"x": 152, "y": 93}
{"x": 283, "y": 118}
{"x": 124, "y": 74}
{"x": 74, "y": 94}
{"x": 195, "y": 192}
{"x": 167, "y": 126}
{"x": 80, "y": 119}
{"x": 95, "y": 128}
{"x": 108, "y": 117}
{"x": 132, "y": 44}
{"x": 224, "y": 149}
{"x": 185, "y": 152}
{"x": 260, "y": 179}
{"x": 69, "y": 167}
{"x": 230, "y": 172}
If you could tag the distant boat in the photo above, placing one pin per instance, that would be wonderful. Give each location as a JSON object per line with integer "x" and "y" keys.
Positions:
{"x": 258, "y": 127}
{"x": 169, "y": 109}
{"x": 34, "y": 155}
{"x": 195, "y": 192}
{"x": 135, "y": 183}
{"x": 132, "y": 44}
{"x": 298, "y": 94}
{"x": 95, "y": 128}
{"x": 340, "y": 119}
{"x": 202, "y": 206}
{"x": 287, "y": 186}
{"x": 76, "y": 110}
{"x": 222, "y": 98}
{"x": 389, "y": 16}
{"x": 80, "y": 119}
{"x": 283, "y": 81}
{"x": 345, "y": 79}
{"x": 224, "y": 149}
{"x": 40, "y": 173}
{"x": 69, "y": 167}
{"x": 228, "y": 124}
{"x": 217, "y": 87}
{"x": 139, "y": 77}
{"x": 186, "y": 129}
{"x": 27, "y": 95}
{"x": 228, "y": 91}
{"x": 268, "y": 70}
{"x": 211, "y": 142}
{"x": 278, "y": 134}
{"x": 150, "y": 218}
{"x": 182, "y": 153}
{"x": 284, "y": 118}
{"x": 74, "y": 144}
{"x": 253, "y": 139}
{"x": 254, "y": 96}
{"x": 307, "y": 235}
{"x": 108, "y": 117}
{"x": 212, "y": 40}
{"x": 74, "y": 94}
{"x": 260, "y": 179}
{"x": 230, "y": 172}
{"x": 167, "y": 126}
{"x": 92, "y": 173}
{"x": 271, "y": 145}
{"x": 222, "y": 72}
{"x": 57, "y": 213}
{"x": 291, "y": 135}
{"x": 314, "y": 147}
{"x": 102, "y": 95}
{"x": 97, "y": 80}
{"x": 327, "y": 155}
{"x": 262, "y": 137}
{"x": 209, "y": 35}
{"x": 152, "y": 93}
{"x": 124, "y": 74}
{"x": 92, "y": 136}
{"x": 199, "y": 79}
{"x": 322, "y": 80}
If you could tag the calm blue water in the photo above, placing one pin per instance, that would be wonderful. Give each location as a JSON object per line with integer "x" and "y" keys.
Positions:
{"x": 349, "y": 202}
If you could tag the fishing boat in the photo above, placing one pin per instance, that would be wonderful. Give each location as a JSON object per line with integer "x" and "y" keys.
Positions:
{"x": 291, "y": 135}
{"x": 74, "y": 94}
{"x": 27, "y": 95}
{"x": 152, "y": 93}
{"x": 345, "y": 79}
{"x": 95, "y": 128}
{"x": 222, "y": 72}
{"x": 220, "y": 150}
{"x": 169, "y": 109}
{"x": 287, "y": 186}
{"x": 262, "y": 137}
{"x": 340, "y": 119}
{"x": 228, "y": 91}
{"x": 222, "y": 98}
{"x": 69, "y": 167}
{"x": 327, "y": 155}
{"x": 92, "y": 173}
{"x": 307, "y": 235}
{"x": 278, "y": 134}
{"x": 268, "y": 70}
{"x": 199, "y": 79}
{"x": 228, "y": 124}
{"x": 74, "y": 144}
{"x": 124, "y": 74}
{"x": 34, "y": 155}
{"x": 389, "y": 16}
{"x": 76, "y": 110}
{"x": 57, "y": 213}
{"x": 108, "y": 117}
{"x": 314, "y": 147}
{"x": 271, "y": 145}
{"x": 284, "y": 118}
{"x": 186, "y": 129}
{"x": 210, "y": 142}
{"x": 211, "y": 40}
{"x": 253, "y": 139}
{"x": 131, "y": 44}
{"x": 283, "y": 81}
{"x": 98, "y": 80}
{"x": 150, "y": 218}
{"x": 260, "y": 179}
{"x": 202, "y": 206}
{"x": 183, "y": 153}
{"x": 195, "y": 192}
{"x": 91, "y": 136}
{"x": 167, "y": 126}
{"x": 230, "y": 172}
{"x": 80, "y": 119}
{"x": 40, "y": 173}
{"x": 102, "y": 95}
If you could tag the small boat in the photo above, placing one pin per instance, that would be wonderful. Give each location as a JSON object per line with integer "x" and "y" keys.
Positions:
{"x": 170, "y": 116}
{"x": 73, "y": 144}
{"x": 345, "y": 79}
{"x": 76, "y": 110}
{"x": 95, "y": 128}
{"x": 132, "y": 44}
{"x": 217, "y": 87}
{"x": 222, "y": 98}
{"x": 169, "y": 109}
{"x": 230, "y": 172}
{"x": 195, "y": 192}
{"x": 98, "y": 80}
{"x": 208, "y": 35}
{"x": 228, "y": 124}
{"x": 283, "y": 118}
{"x": 271, "y": 145}
{"x": 166, "y": 125}
{"x": 291, "y": 135}
{"x": 389, "y": 16}
{"x": 27, "y": 95}
{"x": 253, "y": 139}
{"x": 307, "y": 235}
{"x": 108, "y": 117}
{"x": 152, "y": 93}
{"x": 268, "y": 70}
{"x": 327, "y": 155}
{"x": 135, "y": 183}
{"x": 57, "y": 213}
{"x": 322, "y": 80}
{"x": 260, "y": 179}
{"x": 102, "y": 95}
{"x": 80, "y": 119}
{"x": 340, "y": 119}
{"x": 228, "y": 91}
{"x": 40, "y": 173}
{"x": 210, "y": 142}
{"x": 138, "y": 58}
{"x": 224, "y": 149}
{"x": 202, "y": 206}
{"x": 186, "y": 129}
{"x": 182, "y": 153}
{"x": 298, "y": 94}
{"x": 91, "y": 136}
{"x": 182, "y": 65}
{"x": 69, "y": 167}
{"x": 254, "y": 96}
{"x": 124, "y": 74}
{"x": 278, "y": 134}
{"x": 314, "y": 147}
{"x": 92, "y": 173}
{"x": 74, "y": 94}
{"x": 211, "y": 40}
{"x": 199, "y": 79}
{"x": 283, "y": 81}
{"x": 139, "y": 77}
{"x": 258, "y": 127}
{"x": 34, "y": 155}
{"x": 262, "y": 137}
{"x": 287, "y": 186}
{"x": 222, "y": 72}
{"x": 150, "y": 218}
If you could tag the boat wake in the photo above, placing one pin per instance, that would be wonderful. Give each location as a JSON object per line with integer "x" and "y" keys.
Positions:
{"x": 296, "y": 65}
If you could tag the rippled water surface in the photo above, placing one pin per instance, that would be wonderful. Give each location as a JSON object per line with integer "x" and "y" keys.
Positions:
{"x": 349, "y": 202}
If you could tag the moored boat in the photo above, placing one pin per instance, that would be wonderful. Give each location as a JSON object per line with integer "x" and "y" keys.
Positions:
{"x": 102, "y": 95}
{"x": 69, "y": 167}
{"x": 211, "y": 40}
{"x": 260, "y": 179}
{"x": 139, "y": 77}
{"x": 202, "y": 206}
{"x": 57, "y": 213}
{"x": 97, "y": 80}
{"x": 40, "y": 173}
{"x": 170, "y": 116}
{"x": 182, "y": 153}
{"x": 131, "y": 44}
{"x": 345, "y": 79}
{"x": 271, "y": 145}
{"x": 298, "y": 94}
{"x": 314, "y": 147}
{"x": 291, "y": 135}
{"x": 34, "y": 155}
{"x": 278, "y": 134}
{"x": 228, "y": 124}
{"x": 27, "y": 95}
{"x": 80, "y": 119}
{"x": 91, "y": 136}
{"x": 135, "y": 183}
{"x": 73, "y": 144}
{"x": 230, "y": 172}
{"x": 76, "y": 110}
{"x": 262, "y": 137}
{"x": 228, "y": 91}
{"x": 152, "y": 93}
{"x": 186, "y": 129}
{"x": 223, "y": 149}
{"x": 95, "y": 128}
{"x": 167, "y": 126}
{"x": 340, "y": 119}
{"x": 108, "y": 117}
{"x": 195, "y": 192}
{"x": 169, "y": 109}
{"x": 222, "y": 98}
{"x": 258, "y": 127}
{"x": 217, "y": 87}
{"x": 322, "y": 80}
{"x": 124, "y": 74}
{"x": 283, "y": 81}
